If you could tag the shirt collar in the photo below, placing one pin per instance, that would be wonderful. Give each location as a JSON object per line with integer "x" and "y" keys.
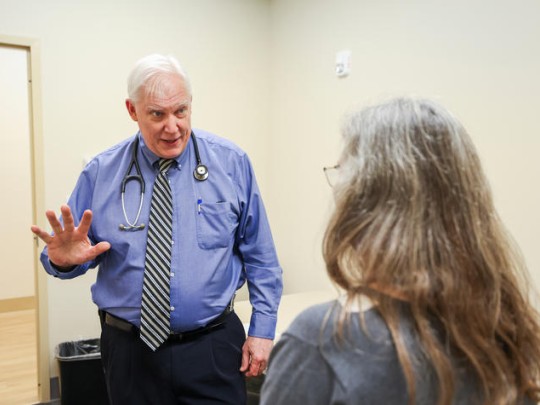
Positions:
{"x": 152, "y": 158}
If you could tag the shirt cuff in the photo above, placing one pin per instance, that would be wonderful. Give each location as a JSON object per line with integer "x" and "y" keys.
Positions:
{"x": 262, "y": 326}
{"x": 62, "y": 269}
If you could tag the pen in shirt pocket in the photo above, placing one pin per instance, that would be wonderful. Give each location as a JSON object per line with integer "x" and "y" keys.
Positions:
{"x": 199, "y": 202}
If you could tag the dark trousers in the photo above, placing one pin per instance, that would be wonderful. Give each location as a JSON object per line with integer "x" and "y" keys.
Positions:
{"x": 202, "y": 369}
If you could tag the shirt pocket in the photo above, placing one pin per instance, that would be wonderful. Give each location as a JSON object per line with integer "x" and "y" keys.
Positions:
{"x": 216, "y": 224}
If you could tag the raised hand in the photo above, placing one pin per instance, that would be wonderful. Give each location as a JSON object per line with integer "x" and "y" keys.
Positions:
{"x": 69, "y": 245}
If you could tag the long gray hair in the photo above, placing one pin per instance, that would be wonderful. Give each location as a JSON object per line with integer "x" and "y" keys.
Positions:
{"x": 415, "y": 223}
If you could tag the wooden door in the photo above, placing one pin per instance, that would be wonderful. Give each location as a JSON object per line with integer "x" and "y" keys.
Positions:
{"x": 18, "y": 289}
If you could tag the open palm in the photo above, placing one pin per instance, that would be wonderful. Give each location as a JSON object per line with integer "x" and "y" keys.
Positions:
{"x": 69, "y": 245}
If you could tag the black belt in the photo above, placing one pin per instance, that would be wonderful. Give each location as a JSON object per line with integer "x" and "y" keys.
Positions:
{"x": 125, "y": 326}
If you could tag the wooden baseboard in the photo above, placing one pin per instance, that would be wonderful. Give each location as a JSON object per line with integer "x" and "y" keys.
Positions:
{"x": 17, "y": 304}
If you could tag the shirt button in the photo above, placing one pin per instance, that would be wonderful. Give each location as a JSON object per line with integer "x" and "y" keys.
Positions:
{"x": 172, "y": 308}
{"x": 172, "y": 274}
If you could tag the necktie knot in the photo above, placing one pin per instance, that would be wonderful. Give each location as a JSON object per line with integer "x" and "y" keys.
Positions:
{"x": 165, "y": 165}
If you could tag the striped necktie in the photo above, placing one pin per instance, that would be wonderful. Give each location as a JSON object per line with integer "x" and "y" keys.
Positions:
{"x": 155, "y": 306}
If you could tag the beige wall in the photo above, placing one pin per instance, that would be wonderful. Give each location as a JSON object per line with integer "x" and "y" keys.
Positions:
{"x": 479, "y": 58}
{"x": 263, "y": 75}
{"x": 88, "y": 48}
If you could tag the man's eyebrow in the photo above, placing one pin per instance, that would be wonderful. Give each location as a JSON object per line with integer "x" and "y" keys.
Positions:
{"x": 184, "y": 103}
{"x": 160, "y": 107}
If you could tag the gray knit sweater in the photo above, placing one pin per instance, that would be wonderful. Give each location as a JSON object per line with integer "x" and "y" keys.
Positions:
{"x": 309, "y": 367}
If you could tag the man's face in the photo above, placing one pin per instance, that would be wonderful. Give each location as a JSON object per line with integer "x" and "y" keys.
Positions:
{"x": 165, "y": 118}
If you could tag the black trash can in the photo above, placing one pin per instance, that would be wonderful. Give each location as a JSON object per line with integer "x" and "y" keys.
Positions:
{"x": 82, "y": 381}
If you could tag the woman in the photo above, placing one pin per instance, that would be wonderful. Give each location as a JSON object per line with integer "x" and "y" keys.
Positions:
{"x": 434, "y": 309}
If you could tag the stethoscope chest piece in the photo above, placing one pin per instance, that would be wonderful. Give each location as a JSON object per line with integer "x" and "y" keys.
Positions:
{"x": 201, "y": 172}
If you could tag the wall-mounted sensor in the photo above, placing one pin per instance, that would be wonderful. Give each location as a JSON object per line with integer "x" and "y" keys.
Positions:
{"x": 343, "y": 63}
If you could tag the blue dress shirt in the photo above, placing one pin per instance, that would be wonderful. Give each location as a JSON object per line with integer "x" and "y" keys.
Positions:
{"x": 221, "y": 235}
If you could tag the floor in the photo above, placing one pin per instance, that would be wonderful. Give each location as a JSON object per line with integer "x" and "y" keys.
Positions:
{"x": 18, "y": 358}
{"x": 18, "y": 361}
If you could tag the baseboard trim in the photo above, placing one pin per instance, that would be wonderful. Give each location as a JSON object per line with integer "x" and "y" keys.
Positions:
{"x": 17, "y": 304}
{"x": 55, "y": 388}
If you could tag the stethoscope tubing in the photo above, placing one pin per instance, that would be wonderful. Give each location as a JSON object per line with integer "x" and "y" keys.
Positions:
{"x": 200, "y": 174}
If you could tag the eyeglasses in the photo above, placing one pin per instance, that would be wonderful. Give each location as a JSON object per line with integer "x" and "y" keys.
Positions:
{"x": 331, "y": 173}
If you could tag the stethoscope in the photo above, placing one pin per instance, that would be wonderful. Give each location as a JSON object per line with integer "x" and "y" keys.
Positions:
{"x": 200, "y": 174}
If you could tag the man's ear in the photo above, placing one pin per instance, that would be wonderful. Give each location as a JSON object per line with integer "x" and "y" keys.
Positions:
{"x": 131, "y": 110}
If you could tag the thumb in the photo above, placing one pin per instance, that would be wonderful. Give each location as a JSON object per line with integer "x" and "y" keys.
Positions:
{"x": 100, "y": 248}
{"x": 245, "y": 359}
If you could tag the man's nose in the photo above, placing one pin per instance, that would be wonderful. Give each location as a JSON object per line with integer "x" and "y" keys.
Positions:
{"x": 171, "y": 124}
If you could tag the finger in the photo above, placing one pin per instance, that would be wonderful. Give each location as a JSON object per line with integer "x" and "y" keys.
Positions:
{"x": 41, "y": 234}
{"x": 86, "y": 221}
{"x": 100, "y": 248}
{"x": 56, "y": 226}
{"x": 67, "y": 218}
{"x": 254, "y": 367}
{"x": 254, "y": 370}
{"x": 245, "y": 360}
{"x": 248, "y": 373}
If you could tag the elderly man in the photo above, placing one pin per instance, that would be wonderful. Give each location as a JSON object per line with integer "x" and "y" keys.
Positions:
{"x": 174, "y": 219}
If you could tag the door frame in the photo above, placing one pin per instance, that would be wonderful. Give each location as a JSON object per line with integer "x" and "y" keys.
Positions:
{"x": 38, "y": 204}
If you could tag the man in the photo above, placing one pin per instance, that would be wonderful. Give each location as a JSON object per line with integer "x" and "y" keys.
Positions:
{"x": 218, "y": 238}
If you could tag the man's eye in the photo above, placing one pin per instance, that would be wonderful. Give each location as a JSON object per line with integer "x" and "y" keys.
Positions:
{"x": 181, "y": 111}
{"x": 156, "y": 114}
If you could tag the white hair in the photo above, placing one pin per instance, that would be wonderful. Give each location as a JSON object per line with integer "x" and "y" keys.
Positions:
{"x": 147, "y": 74}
